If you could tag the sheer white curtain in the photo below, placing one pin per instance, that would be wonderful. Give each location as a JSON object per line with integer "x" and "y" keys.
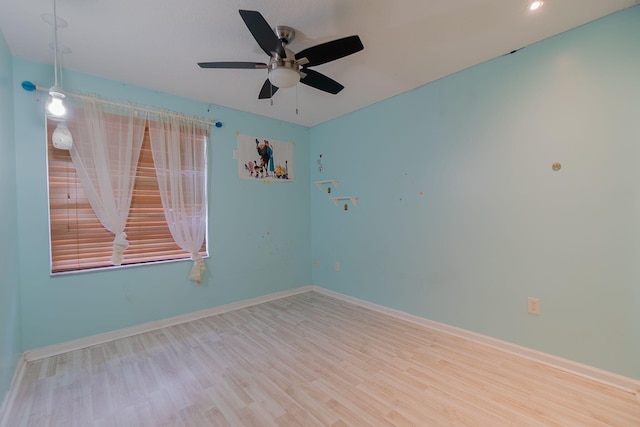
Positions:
{"x": 105, "y": 153}
{"x": 179, "y": 147}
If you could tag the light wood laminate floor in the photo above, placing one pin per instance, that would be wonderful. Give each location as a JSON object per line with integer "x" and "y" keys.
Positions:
{"x": 307, "y": 360}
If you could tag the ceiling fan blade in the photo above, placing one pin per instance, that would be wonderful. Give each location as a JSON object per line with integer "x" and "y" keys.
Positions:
{"x": 262, "y": 32}
{"x": 330, "y": 51}
{"x": 242, "y": 65}
{"x": 320, "y": 81}
{"x": 267, "y": 90}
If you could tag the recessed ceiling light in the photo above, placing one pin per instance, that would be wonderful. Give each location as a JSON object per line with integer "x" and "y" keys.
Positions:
{"x": 535, "y": 5}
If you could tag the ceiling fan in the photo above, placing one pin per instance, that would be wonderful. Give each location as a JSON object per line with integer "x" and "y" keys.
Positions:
{"x": 286, "y": 68}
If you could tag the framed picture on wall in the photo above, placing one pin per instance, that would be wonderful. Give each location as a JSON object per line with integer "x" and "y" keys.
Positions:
{"x": 264, "y": 159}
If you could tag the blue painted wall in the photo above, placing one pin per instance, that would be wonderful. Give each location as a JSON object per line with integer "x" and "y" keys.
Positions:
{"x": 259, "y": 234}
{"x": 10, "y": 338}
{"x": 460, "y": 216}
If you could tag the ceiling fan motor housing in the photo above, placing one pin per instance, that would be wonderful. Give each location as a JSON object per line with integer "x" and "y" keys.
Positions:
{"x": 285, "y": 34}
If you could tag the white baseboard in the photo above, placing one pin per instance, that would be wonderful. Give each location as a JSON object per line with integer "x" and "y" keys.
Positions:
{"x": 78, "y": 344}
{"x": 10, "y": 397}
{"x": 627, "y": 384}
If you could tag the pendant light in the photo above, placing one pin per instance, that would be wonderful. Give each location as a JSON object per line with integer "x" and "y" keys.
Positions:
{"x": 62, "y": 138}
{"x": 55, "y": 104}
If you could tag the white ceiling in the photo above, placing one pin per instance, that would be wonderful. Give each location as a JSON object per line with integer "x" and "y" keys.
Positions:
{"x": 408, "y": 43}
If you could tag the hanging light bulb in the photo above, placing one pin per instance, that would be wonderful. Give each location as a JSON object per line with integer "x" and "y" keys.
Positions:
{"x": 55, "y": 104}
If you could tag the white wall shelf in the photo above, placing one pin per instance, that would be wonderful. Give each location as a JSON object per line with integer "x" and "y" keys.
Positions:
{"x": 329, "y": 183}
{"x": 353, "y": 199}
{"x": 321, "y": 184}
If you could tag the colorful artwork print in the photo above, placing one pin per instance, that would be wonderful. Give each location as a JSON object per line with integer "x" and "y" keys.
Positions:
{"x": 264, "y": 159}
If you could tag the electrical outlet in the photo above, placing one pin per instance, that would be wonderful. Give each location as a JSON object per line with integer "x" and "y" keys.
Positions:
{"x": 337, "y": 266}
{"x": 533, "y": 305}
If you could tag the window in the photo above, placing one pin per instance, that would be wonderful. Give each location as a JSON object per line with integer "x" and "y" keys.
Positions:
{"x": 78, "y": 239}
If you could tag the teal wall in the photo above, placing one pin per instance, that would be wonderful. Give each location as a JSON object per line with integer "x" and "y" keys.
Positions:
{"x": 259, "y": 234}
{"x": 10, "y": 338}
{"x": 460, "y": 217}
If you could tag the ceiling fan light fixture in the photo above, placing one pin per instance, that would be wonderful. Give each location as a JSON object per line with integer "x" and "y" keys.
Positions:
{"x": 284, "y": 77}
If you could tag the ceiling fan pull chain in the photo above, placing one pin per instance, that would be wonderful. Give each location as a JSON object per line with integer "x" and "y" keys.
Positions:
{"x": 296, "y": 100}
